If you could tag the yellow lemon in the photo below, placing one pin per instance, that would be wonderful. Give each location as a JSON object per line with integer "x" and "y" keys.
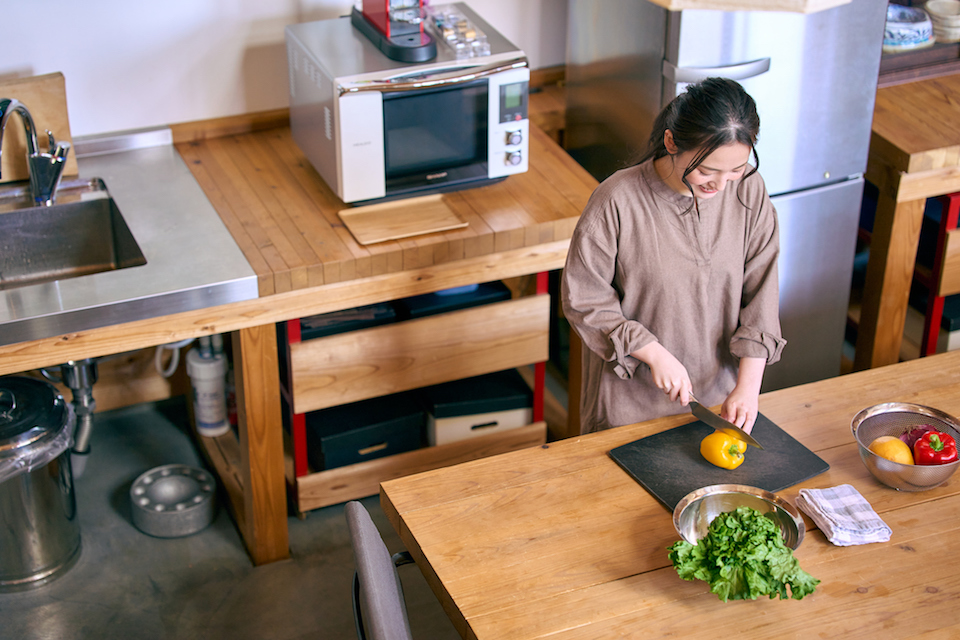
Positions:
{"x": 892, "y": 448}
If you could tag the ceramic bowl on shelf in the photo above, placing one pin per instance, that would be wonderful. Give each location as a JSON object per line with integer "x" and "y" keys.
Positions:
{"x": 946, "y": 34}
{"x": 894, "y": 419}
{"x": 944, "y": 13}
{"x": 694, "y": 513}
{"x": 906, "y": 28}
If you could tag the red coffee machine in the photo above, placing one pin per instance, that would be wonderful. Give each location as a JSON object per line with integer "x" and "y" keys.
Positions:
{"x": 396, "y": 28}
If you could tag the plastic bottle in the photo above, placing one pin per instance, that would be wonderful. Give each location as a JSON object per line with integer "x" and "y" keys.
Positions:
{"x": 208, "y": 377}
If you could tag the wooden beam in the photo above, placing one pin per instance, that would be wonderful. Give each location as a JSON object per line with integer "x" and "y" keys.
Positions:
{"x": 264, "y": 524}
{"x": 229, "y": 125}
{"x": 890, "y": 271}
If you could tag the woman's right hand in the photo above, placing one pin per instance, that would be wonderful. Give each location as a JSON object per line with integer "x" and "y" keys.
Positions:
{"x": 669, "y": 375}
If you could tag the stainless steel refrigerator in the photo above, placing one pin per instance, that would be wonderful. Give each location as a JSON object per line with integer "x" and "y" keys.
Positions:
{"x": 814, "y": 78}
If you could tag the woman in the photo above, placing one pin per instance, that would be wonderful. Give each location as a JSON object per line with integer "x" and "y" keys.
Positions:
{"x": 671, "y": 277}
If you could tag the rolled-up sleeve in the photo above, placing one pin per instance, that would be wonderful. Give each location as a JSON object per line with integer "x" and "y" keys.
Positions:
{"x": 590, "y": 301}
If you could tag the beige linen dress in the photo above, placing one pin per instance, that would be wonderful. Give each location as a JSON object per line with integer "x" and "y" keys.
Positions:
{"x": 643, "y": 265}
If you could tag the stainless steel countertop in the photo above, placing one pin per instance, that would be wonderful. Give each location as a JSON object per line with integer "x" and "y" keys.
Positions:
{"x": 192, "y": 260}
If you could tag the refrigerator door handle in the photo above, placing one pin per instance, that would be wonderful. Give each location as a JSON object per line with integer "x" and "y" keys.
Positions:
{"x": 740, "y": 71}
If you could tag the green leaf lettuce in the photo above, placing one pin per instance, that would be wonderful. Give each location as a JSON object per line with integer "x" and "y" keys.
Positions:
{"x": 743, "y": 557}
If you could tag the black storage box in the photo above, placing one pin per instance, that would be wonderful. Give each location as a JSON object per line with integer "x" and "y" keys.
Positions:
{"x": 328, "y": 324}
{"x": 433, "y": 303}
{"x": 364, "y": 430}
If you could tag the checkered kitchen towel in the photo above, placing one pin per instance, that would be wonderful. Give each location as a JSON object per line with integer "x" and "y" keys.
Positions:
{"x": 844, "y": 516}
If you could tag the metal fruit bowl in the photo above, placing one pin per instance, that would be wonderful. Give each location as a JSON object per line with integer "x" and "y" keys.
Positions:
{"x": 694, "y": 513}
{"x": 894, "y": 419}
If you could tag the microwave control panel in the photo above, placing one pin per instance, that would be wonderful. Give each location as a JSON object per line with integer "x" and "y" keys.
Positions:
{"x": 509, "y": 128}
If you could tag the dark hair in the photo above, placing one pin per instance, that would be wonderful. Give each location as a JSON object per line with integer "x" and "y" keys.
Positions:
{"x": 709, "y": 114}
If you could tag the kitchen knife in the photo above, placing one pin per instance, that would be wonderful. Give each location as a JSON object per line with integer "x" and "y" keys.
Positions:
{"x": 720, "y": 424}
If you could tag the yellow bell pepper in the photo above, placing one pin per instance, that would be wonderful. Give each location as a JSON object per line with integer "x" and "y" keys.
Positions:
{"x": 723, "y": 450}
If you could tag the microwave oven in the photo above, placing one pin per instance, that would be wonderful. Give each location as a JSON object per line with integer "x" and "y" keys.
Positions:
{"x": 377, "y": 129}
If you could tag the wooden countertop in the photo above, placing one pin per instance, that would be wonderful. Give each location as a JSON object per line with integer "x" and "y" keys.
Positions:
{"x": 284, "y": 217}
{"x": 916, "y": 126}
{"x": 558, "y": 542}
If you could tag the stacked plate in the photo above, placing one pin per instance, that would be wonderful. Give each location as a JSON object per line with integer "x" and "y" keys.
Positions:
{"x": 945, "y": 17}
{"x": 907, "y": 28}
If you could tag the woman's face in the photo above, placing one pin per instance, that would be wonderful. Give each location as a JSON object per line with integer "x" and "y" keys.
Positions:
{"x": 727, "y": 163}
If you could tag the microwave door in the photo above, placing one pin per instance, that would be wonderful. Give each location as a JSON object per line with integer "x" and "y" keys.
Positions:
{"x": 427, "y": 133}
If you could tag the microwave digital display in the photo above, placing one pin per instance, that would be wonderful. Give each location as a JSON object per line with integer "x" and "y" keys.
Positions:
{"x": 512, "y": 95}
{"x": 434, "y": 129}
{"x": 513, "y": 102}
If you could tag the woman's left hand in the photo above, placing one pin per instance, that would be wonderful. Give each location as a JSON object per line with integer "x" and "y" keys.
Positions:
{"x": 741, "y": 409}
{"x": 743, "y": 403}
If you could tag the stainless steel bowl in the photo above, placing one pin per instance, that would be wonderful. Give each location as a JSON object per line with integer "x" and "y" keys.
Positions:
{"x": 173, "y": 500}
{"x": 694, "y": 513}
{"x": 893, "y": 419}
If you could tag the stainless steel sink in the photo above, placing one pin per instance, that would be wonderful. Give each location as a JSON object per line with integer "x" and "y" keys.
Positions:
{"x": 192, "y": 261}
{"x": 83, "y": 233}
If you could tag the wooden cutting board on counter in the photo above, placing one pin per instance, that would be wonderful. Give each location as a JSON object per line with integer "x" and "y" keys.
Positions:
{"x": 46, "y": 98}
{"x": 400, "y": 219}
{"x": 669, "y": 465}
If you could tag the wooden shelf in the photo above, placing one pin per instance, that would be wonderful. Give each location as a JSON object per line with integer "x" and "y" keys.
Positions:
{"x": 937, "y": 60}
{"x": 334, "y": 486}
{"x": 358, "y": 365}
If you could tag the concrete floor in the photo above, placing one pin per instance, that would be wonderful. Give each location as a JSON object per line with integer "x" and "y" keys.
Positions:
{"x": 127, "y": 584}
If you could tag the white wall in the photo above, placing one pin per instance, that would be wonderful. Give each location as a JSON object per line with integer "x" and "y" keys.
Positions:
{"x": 131, "y": 64}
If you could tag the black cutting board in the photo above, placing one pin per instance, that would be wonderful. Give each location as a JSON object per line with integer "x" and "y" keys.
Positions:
{"x": 669, "y": 464}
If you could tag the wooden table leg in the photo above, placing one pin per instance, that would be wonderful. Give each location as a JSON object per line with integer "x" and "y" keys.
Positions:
{"x": 893, "y": 252}
{"x": 263, "y": 523}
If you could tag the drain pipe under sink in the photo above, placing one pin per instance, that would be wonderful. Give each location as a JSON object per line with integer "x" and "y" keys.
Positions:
{"x": 80, "y": 376}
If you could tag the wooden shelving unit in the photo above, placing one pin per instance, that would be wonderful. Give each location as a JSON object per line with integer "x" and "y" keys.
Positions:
{"x": 369, "y": 363}
{"x": 939, "y": 59}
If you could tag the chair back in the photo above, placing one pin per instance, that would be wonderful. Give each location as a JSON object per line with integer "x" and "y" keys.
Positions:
{"x": 379, "y": 608}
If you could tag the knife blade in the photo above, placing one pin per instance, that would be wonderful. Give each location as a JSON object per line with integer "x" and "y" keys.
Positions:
{"x": 720, "y": 424}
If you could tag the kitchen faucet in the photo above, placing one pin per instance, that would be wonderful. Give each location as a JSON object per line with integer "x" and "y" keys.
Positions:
{"x": 45, "y": 168}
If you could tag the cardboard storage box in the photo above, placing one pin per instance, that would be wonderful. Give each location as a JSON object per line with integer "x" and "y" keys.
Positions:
{"x": 477, "y": 406}
{"x": 364, "y": 430}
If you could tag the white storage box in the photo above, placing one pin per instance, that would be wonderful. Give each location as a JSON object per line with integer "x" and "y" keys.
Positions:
{"x": 444, "y": 430}
{"x": 476, "y": 406}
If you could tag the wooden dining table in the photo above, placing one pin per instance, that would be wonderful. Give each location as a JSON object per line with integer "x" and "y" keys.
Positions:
{"x": 558, "y": 542}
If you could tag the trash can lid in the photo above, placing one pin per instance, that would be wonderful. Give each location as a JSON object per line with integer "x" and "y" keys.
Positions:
{"x": 32, "y": 412}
